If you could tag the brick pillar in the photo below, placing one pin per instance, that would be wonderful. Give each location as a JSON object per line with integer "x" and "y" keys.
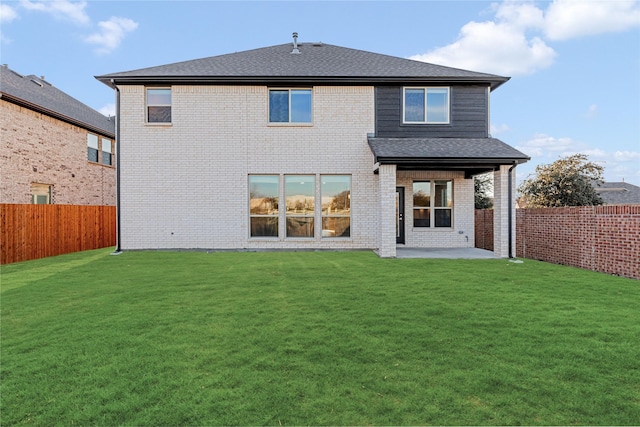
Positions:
{"x": 387, "y": 226}
{"x": 501, "y": 209}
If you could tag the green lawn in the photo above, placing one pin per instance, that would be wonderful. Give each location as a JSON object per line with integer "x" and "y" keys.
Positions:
{"x": 315, "y": 338}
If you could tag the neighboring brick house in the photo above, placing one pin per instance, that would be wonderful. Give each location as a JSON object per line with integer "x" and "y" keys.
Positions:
{"x": 307, "y": 146}
{"x": 54, "y": 149}
{"x": 618, "y": 193}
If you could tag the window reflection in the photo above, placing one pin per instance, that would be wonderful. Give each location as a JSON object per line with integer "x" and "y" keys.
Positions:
{"x": 336, "y": 205}
{"x": 263, "y": 205}
{"x": 300, "y": 205}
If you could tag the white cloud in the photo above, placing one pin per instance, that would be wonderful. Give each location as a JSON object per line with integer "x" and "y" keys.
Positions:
{"x": 541, "y": 145}
{"x": 545, "y": 149}
{"x": 108, "y": 110}
{"x": 592, "y": 111}
{"x": 515, "y": 41}
{"x": 7, "y": 13}
{"x": 627, "y": 156}
{"x": 498, "y": 129}
{"x": 567, "y": 19}
{"x": 61, "y": 9}
{"x": 111, "y": 34}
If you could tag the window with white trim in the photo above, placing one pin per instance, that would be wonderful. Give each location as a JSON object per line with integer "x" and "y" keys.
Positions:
{"x": 92, "y": 147}
{"x": 264, "y": 193}
{"x": 290, "y": 106}
{"x": 335, "y": 193}
{"x": 300, "y": 205}
{"x": 41, "y": 194}
{"x": 107, "y": 150}
{"x": 425, "y": 105}
{"x": 158, "y": 105}
{"x": 433, "y": 203}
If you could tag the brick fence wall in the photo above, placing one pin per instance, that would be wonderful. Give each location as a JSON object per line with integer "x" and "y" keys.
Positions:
{"x": 599, "y": 238}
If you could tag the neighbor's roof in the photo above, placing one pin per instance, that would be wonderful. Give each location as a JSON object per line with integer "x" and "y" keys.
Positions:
{"x": 316, "y": 63}
{"x": 618, "y": 193}
{"x": 473, "y": 155}
{"x": 39, "y": 95}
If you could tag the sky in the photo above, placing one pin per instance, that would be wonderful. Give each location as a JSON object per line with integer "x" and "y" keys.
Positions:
{"x": 574, "y": 64}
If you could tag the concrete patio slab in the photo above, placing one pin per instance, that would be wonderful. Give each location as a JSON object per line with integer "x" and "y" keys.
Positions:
{"x": 448, "y": 253}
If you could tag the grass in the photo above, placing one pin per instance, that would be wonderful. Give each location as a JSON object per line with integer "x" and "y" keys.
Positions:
{"x": 326, "y": 338}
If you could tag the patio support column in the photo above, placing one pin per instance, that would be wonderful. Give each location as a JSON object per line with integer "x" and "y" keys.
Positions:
{"x": 501, "y": 207}
{"x": 387, "y": 227}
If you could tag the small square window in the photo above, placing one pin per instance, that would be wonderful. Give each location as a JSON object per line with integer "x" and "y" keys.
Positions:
{"x": 426, "y": 105}
{"x": 290, "y": 106}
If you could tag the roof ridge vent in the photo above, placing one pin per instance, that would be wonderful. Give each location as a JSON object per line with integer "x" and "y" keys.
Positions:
{"x": 295, "y": 50}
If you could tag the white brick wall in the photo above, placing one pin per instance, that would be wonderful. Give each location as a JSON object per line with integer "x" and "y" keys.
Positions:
{"x": 501, "y": 213}
{"x": 461, "y": 235}
{"x": 185, "y": 185}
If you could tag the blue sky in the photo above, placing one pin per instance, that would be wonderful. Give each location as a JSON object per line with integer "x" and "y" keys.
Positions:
{"x": 574, "y": 64}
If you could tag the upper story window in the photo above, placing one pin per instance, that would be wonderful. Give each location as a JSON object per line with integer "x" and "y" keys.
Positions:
{"x": 290, "y": 105}
{"x": 107, "y": 150}
{"x": 92, "y": 147}
{"x": 99, "y": 149}
{"x": 158, "y": 105}
{"x": 425, "y": 105}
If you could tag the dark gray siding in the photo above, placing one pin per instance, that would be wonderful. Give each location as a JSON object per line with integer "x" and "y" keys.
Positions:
{"x": 469, "y": 115}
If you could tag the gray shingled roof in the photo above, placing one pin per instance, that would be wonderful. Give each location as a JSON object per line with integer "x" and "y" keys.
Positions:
{"x": 39, "y": 95}
{"x": 445, "y": 152}
{"x": 618, "y": 193}
{"x": 316, "y": 63}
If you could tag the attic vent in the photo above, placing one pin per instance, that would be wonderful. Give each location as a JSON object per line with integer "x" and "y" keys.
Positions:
{"x": 295, "y": 50}
{"x": 37, "y": 82}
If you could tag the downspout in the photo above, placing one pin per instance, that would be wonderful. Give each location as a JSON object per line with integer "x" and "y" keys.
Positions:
{"x": 510, "y": 216}
{"x": 118, "y": 234}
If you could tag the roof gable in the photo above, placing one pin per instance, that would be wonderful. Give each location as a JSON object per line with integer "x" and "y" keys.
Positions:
{"x": 39, "y": 95}
{"x": 316, "y": 63}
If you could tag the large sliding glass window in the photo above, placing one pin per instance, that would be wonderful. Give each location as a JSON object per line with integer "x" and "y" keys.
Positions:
{"x": 336, "y": 205}
{"x": 290, "y": 106}
{"x": 432, "y": 197}
{"x": 300, "y": 204}
{"x": 263, "y": 205}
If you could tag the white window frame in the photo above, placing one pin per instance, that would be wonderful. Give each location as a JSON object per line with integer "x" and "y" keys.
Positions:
{"x": 426, "y": 106}
{"x": 147, "y": 105}
{"x": 108, "y": 144}
{"x": 432, "y": 205}
{"x": 289, "y": 122}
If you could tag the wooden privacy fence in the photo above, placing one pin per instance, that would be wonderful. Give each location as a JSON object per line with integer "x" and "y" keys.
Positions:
{"x": 38, "y": 231}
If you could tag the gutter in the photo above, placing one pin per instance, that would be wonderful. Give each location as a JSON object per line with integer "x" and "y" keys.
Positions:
{"x": 510, "y": 216}
{"x": 56, "y": 115}
{"x": 110, "y": 81}
{"x": 118, "y": 222}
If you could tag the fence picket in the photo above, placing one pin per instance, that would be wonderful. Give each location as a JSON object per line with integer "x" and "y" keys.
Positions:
{"x": 37, "y": 231}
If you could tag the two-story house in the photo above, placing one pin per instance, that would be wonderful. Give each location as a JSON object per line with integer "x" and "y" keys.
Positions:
{"x": 307, "y": 146}
{"x": 55, "y": 149}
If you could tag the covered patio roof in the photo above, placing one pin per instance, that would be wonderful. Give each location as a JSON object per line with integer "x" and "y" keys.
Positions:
{"x": 471, "y": 155}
